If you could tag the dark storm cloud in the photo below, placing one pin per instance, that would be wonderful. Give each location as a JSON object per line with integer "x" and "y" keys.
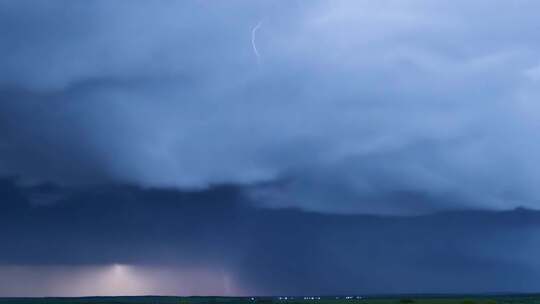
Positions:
{"x": 149, "y": 134}
{"x": 352, "y": 101}
{"x": 265, "y": 251}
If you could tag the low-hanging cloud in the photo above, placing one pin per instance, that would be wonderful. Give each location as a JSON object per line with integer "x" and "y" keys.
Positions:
{"x": 386, "y": 107}
{"x": 130, "y": 240}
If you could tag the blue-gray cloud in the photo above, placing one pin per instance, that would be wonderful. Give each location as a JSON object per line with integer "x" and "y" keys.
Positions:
{"x": 214, "y": 242}
{"x": 355, "y": 106}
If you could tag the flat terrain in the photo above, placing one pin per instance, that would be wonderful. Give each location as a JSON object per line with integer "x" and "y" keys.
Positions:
{"x": 494, "y": 299}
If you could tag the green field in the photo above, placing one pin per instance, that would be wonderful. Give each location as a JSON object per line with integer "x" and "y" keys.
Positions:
{"x": 497, "y": 299}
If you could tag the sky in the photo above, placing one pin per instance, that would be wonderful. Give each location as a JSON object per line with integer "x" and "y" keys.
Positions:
{"x": 269, "y": 147}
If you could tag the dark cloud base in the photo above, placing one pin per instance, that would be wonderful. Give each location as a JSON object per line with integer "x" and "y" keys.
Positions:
{"x": 270, "y": 251}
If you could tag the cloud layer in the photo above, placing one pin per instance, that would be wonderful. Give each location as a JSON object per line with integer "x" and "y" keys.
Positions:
{"x": 354, "y": 106}
{"x": 129, "y": 240}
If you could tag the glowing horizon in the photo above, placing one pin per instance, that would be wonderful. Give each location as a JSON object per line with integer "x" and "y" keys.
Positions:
{"x": 113, "y": 280}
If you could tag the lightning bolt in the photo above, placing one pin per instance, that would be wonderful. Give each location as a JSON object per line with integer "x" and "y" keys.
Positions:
{"x": 253, "y": 44}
